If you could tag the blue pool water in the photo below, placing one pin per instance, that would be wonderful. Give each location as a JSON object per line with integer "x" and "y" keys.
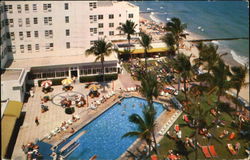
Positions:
{"x": 104, "y": 134}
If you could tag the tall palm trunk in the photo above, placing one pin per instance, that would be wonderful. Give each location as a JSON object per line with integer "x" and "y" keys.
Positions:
{"x": 103, "y": 74}
{"x": 155, "y": 144}
{"x": 146, "y": 64}
{"x": 129, "y": 45}
{"x": 236, "y": 104}
{"x": 185, "y": 92}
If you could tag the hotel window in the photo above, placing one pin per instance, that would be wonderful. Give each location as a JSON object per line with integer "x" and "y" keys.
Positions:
{"x": 47, "y": 7}
{"x": 111, "y": 25}
{"x": 36, "y": 34}
{"x": 111, "y": 16}
{"x": 120, "y": 15}
{"x": 29, "y": 48}
{"x": 66, "y": 19}
{"x": 100, "y": 25}
{"x": 100, "y": 16}
{"x": 35, "y": 20}
{"x": 37, "y": 47}
{"x": 8, "y": 8}
{"x": 34, "y": 7}
{"x": 67, "y": 44}
{"x": 92, "y": 5}
{"x": 9, "y": 48}
{"x": 20, "y": 22}
{"x": 11, "y": 22}
{"x": 130, "y": 15}
{"x": 7, "y": 35}
{"x": 26, "y": 7}
{"x": 21, "y": 35}
{"x": 19, "y": 8}
{"x": 51, "y": 45}
{"x": 111, "y": 33}
{"x": 6, "y": 22}
{"x": 100, "y": 33}
{"x": 12, "y": 35}
{"x": 67, "y": 32}
{"x": 48, "y": 20}
{"x": 48, "y": 33}
{"x": 22, "y": 48}
{"x": 27, "y": 20}
{"x": 93, "y": 30}
{"x": 66, "y": 6}
{"x": 28, "y": 34}
{"x": 13, "y": 48}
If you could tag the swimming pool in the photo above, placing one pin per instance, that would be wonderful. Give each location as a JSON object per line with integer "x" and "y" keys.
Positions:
{"x": 103, "y": 137}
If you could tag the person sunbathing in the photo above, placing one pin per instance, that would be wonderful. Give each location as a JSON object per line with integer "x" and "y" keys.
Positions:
{"x": 224, "y": 133}
{"x": 237, "y": 147}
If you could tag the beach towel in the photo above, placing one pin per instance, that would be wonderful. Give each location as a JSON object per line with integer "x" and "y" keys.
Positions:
{"x": 231, "y": 149}
{"x": 185, "y": 118}
{"x": 177, "y": 128}
{"x": 232, "y": 136}
{"x": 205, "y": 151}
{"x": 212, "y": 151}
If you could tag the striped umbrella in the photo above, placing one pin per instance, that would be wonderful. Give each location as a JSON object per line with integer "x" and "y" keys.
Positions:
{"x": 46, "y": 83}
{"x": 67, "y": 81}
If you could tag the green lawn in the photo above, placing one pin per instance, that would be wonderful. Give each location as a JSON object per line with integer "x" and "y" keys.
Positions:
{"x": 167, "y": 144}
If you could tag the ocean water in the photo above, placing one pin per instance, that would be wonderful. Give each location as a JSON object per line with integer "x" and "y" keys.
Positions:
{"x": 209, "y": 19}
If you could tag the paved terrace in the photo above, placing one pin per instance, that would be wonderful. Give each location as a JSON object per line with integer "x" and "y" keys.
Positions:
{"x": 53, "y": 118}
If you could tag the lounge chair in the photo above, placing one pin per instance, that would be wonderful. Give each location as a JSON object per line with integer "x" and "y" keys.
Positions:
{"x": 185, "y": 118}
{"x": 166, "y": 94}
{"x": 232, "y": 136}
{"x": 77, "y": 117}
{"x": 98, "y": 102}
{"x": 177, "y": 128}
{"x": 205, "y": 151}
{"x": 69, "y": 121}
{"x": 162, "y": 93}
{"x": 212, "y": 151}
{"x": 231, "y": 149}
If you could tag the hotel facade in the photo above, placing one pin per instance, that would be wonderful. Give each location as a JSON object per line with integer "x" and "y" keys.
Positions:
{"x": 48, "y": 39}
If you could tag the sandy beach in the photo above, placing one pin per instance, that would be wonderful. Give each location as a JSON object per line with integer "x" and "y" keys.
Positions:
{"x": 188, "y": 49}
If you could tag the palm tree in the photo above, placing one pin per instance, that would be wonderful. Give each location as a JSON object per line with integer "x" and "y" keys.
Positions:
{"x": 145, "y": 126}
{"x": 208, "y": 55}
{"x": 129, "y": 28}
{"x": 145, "y": 41}
{"x": 218, "y": 80}
{"x": 176, "y": 28}
{"x": 169, "y": 40}
{"x": 149, "y": 86}
{"x": 238, "y": 77}
{"x": 185, "y": 69}
{"x": 100, "y": 49}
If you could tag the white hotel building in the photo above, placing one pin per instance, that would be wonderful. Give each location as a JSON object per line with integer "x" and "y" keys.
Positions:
{"x": 49, "y": 38}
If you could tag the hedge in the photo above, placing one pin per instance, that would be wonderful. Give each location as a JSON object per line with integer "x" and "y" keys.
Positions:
{"x": 98, "y": 78}
{"x": 69, "y": 110}
{"x": 54, "y": 81}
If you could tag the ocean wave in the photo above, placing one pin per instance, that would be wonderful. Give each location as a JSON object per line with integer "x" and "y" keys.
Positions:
{"x": 240, "y": 59}
{"x": 149, "y": 9}
{"x": 215, "y": 42}
{"x": 155, "y": 19}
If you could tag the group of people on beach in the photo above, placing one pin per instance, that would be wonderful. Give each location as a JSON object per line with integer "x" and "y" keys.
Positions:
{"x": 32, "y": 151}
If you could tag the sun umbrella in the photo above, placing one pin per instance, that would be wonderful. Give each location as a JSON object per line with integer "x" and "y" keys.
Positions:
{"x": 154, "y": 157}
{"x": 94, "y": 87}
{"x": 46, "y": 83}
{"x": 67, "y": 81}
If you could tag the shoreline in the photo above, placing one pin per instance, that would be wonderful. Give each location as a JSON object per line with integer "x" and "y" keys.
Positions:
{"x": 228, "y": 59}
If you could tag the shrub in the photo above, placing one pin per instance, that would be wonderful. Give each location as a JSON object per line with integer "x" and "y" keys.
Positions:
{"x": 69, "y": 110}
{"x": 98, "y": 78}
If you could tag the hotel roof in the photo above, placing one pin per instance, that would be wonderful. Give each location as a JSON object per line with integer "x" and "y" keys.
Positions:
{"x": 57, "y": 60}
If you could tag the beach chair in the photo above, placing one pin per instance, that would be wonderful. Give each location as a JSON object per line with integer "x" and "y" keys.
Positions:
{"x": 49, "y": 136}
{"x": 212, "y": 151}
{"x": 69, "y": 121}
{"x": 64, "y": 128}
{"x": 232, "y": 136}
{"x": 177, "y": 128}
{"x": 162, "y": 93}
{"x": 77, "y": 117}
{"x": 166, "y": 94}
{"x": 231, "y": 149}
{"x": 185, "y": 118}
{"x": 98, "y": 102}
{"x": 53, "y": 133}
{"x": 206, "y": 152}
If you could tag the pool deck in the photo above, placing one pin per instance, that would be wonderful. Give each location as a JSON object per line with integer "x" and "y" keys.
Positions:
{"x": 54, "y": 117}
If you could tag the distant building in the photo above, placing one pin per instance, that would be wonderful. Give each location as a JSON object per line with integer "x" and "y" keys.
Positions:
{"x": 49, "y": 38}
